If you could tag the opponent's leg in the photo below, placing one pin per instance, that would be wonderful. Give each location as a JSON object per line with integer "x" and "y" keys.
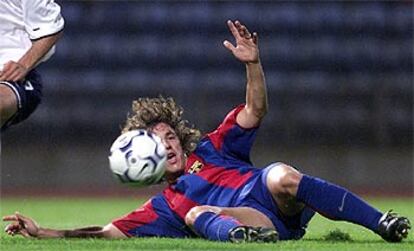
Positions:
{"x": 8, "y": 103}
{"x": 236, "y": 224}
{"x": 290, "y": 188}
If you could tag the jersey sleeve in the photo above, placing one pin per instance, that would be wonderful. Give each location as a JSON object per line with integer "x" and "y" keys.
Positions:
{"x": 42, "y": 18}
{"x": 232, "y": 139}
{"x": 154, "y": 218}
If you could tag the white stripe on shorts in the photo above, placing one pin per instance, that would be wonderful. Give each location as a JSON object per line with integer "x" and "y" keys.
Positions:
{"x": 19, "y": 100}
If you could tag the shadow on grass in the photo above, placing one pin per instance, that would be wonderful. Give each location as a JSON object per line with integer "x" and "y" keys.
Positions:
{"x": 379, "y": 241}
{"x": 338, "y": 236}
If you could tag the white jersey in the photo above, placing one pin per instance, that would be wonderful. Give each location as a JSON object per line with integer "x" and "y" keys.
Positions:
{"x": 24, "y": 20}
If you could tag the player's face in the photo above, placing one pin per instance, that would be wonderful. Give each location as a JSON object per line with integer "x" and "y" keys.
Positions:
{"x": 175, "y": 153}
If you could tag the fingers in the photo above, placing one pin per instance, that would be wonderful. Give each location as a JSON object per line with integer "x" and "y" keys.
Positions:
{"x": 24, "y": 233}
{"x": 16, "y": 228}
{"x": 12, "y": 228}
{"x": 240, "y": 31}
{"x": 7, "y": 70}
{"x": 15, "y": 74}
{"x": 243, "y": 31}
{"x": 255, "y": 38}
{"x": 7, "y": 65}
{"x": 20, "y": 216}
{"x": 233, "y": 30}
{"x": 15, "y": 217}
{"x": 229, "y": 46}
{"x": 10, "y": 218}
{"x": 13, "y": 71}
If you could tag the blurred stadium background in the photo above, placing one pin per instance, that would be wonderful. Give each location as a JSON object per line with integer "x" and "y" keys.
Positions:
{"x": 339, "y": 76}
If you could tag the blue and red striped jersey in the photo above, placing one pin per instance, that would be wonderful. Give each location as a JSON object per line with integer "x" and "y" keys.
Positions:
{"x": 216, "y": 174}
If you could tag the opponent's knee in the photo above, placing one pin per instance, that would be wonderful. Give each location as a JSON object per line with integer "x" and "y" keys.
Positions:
{"x": 194, "y": 212}
{"x": 283, "y": 180}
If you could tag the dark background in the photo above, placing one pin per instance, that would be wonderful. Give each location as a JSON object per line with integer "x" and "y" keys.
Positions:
{"x": 339, "y": 76}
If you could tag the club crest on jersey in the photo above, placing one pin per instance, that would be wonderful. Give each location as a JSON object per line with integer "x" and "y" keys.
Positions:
{"x": 195, "y": 167}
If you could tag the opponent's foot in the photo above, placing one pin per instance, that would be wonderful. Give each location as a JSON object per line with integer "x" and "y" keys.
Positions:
{"x": 253, "y": 234}
{"x": 393, "y": 228}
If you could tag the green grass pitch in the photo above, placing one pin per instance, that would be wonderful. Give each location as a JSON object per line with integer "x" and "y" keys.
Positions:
{"x": 77, "y": 212}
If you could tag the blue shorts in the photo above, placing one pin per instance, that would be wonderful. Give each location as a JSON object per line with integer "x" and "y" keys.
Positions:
{"x": 28, "y": 94}
{"x": 257, "y": 196}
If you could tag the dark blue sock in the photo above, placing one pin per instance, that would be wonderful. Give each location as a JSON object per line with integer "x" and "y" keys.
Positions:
{"x": 214, "y": 227}
{"x": 337, "y": 203}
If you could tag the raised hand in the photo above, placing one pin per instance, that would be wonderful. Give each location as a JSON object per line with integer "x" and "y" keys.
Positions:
{"x": 246, "y": 49}
{"x": 21, "y": 225}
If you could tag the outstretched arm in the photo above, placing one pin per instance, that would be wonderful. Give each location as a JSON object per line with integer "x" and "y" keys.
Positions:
{"x": 27, "y": 227}
{"x": 247, "y": 51}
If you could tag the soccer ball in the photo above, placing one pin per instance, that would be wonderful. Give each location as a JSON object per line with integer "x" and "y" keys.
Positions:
{"x": 138, "y": 157}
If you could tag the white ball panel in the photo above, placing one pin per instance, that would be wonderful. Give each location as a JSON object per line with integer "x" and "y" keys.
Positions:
{"x": 138, "y": 158}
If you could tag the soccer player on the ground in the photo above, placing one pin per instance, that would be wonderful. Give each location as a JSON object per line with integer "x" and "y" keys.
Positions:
{"x": 29, "y": 30}
{"x": 214, "y": 191}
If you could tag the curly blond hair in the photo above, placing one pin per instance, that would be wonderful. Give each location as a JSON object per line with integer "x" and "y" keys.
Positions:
{"x": 147, "y": 112}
